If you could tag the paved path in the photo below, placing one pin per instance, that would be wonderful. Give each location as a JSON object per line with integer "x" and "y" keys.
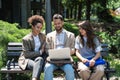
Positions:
{"x": 112, "y": 78}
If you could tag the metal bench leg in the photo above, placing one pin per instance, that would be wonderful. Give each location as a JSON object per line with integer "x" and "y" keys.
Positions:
{"x": 107, "y": 76}
{"x": 76, "y": 72}
{"x": 77, "y": 77}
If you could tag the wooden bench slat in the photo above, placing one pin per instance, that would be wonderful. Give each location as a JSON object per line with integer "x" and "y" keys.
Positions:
{"x": 13, "y": 70}
{"x": 105, "y": 49}
{"x": 14, "y": 44}
{"x": 104, "y": 54}
{"x": 13, "y": 54}
{"x": 15, "y": 48}
{"x": 105, "y": 45}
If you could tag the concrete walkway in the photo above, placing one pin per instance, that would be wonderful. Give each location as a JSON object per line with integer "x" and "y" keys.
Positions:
{"x": 112, "y": 78}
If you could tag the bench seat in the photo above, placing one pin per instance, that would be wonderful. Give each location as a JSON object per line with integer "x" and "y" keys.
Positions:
{"x": 15, "y": 69}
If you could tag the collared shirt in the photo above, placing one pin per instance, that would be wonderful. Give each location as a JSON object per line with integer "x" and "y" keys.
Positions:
{"x": 37, "y": 43}
{"x": 60, "y": 39}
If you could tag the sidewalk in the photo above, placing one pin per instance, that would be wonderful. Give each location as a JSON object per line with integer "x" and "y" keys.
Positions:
{"x": 112, "y": 78}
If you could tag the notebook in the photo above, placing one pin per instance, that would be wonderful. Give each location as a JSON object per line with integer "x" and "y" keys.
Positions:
{"x": 59, "y": 54}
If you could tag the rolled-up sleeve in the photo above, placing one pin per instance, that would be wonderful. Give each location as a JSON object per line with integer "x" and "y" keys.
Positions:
{"x": 77, "y": 43}
{"x": 98, "y": 45}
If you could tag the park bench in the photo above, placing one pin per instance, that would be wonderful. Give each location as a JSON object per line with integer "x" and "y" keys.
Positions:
{"x": 14, "y": 50}
{"x": 11, "y": 69}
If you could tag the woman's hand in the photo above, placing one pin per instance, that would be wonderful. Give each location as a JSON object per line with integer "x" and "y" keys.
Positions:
{"x": 92, "y": 62}
{"x": 84, "y": 60}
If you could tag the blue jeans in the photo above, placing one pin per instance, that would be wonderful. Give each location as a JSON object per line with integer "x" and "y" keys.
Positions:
{"x": 67, "y": 68}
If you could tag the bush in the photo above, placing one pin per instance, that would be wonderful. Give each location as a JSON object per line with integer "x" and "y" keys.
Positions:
{"x": 9, "y": 33}
{"x": 112, "y": 40}
{"x": 72, "y": 28}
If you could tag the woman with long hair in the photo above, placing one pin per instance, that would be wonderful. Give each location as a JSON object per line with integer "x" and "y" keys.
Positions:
{"x": 88, "y": 49}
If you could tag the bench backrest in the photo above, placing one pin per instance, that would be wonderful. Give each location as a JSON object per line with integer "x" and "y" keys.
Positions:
{"x": 14, "y": 50}
{"x": 105, "y": 50}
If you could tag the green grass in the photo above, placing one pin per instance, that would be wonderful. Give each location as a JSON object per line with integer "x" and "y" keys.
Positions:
{"x": 42, "y": 76}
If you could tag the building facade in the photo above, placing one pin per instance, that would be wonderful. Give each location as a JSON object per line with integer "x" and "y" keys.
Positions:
{"x": 18, "y": 11}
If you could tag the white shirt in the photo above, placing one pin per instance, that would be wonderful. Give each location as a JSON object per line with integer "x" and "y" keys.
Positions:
{"x": 85, "y": 51}
{"x": 60, "y": 40}
{"x": 37, "y": 43}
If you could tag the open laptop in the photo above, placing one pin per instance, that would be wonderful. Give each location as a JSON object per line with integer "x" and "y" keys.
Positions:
{"x": 59, "y": 54}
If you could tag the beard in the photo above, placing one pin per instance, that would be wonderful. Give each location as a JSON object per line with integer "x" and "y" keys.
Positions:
{"x": 58, "y": 29}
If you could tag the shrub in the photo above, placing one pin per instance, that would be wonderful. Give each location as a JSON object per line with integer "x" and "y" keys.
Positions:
{"x": 112, "y": 40}
{"x": 72, "y": 28}
{"x": 9, "y": 33}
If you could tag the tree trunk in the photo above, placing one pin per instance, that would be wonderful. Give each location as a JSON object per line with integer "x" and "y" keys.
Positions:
{"x": 71, "y": 10}
{"x": 75, "y": 12}
{"x": 54, "y": 6}
{"x": 67, "y": 13}
{"x": 88, "y": 8}
{"x": 80, "y": 11}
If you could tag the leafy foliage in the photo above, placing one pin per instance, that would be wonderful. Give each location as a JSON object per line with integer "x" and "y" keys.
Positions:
{"x": 115, "y": 63}
{"x": 112, "y": 40}
{"x": 9, "y": 33}
{"x": 72, "y": 28}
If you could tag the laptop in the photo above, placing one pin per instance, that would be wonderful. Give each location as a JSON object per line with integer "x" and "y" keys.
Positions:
{"x": 59, "y": 54}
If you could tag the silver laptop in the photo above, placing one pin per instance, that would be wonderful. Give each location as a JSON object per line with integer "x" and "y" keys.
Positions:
{"x": 57, "y": 54}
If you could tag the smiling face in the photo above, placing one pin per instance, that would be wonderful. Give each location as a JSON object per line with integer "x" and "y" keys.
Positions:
{"x": 58, "y": 25}
{"x": 37, "y": 28}
{"x": 36, "y": 23}
{"x": 82, "y": 31}
{"x": 85, "y": 28}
